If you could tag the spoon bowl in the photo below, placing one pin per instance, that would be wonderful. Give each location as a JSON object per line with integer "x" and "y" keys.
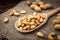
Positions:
{"x": 47, "y": 15}
{"x": 34, "y": 28}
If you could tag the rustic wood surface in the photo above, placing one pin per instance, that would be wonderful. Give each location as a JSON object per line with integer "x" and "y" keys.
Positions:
{"x": 8, "y": 29}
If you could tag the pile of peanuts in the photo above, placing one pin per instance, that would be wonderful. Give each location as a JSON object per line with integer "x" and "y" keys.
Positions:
{"x": 30, "y": 21}
{"x": 38, "y": 5}
{"x": 56, "y": 22}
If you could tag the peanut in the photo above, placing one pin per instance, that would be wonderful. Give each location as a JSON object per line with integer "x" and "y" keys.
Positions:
{"x": 16, "y": 13}
{"x": 32, "y": 6}
{"x": 11, "y": 13}
{"x": 41, "y": 20}
{"x": 33, "y": 26}
{"x": 43, "y": 7}
{"x": 5, "y": 20}
{"x": 23, "y": 11}
{"x": 40, "y": 3}
{"x": 34, "y": 3}
{"x": 29, "y": 3}
{"x": 55, "y": 21}
{"x": 20, "y": 28}
{"x": 58, "y": 37}
{"x": 50, "y": 36}
{"x": 38, "y": 0}
{"x": 39, "y": 34}
{"x": 58, "y": 17}
{"x": 48, "y": 5}
{"x": 57, "y": 26}
{"x": 58, "y": 14}
{"x": 36, "y": 8}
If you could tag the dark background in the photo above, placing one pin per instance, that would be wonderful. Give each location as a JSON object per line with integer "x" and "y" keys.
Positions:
{"x": 8, "y": 31}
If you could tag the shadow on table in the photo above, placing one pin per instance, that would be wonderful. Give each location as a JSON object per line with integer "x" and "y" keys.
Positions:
{"x": 11, "y": 5}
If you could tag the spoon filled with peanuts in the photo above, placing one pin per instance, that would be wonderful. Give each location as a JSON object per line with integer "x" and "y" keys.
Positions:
{"x": 33, "y": 21}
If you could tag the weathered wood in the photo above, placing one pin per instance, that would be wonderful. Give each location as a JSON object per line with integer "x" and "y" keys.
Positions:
{"x": 11, "y": 33}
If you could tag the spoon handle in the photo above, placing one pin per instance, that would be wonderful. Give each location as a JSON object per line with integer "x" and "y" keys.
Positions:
{"x": 53, "y": 12}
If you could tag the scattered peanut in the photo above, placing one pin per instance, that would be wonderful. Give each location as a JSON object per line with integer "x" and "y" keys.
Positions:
{"x": 58, "y": 14}
{"x": 48, "y": 5}
{"x": 11, "y": 13}
{"x": 5, "y": 20}
{"x": 36, "y": 8}
{"x": 58, "y": 17}
{"x": 40, "y": 3}
{"x": 39, "y": 34}
{"x": 34, "y": 3}
{"x": 14, "y": 12}
{"x": 38, "y": 0}
{"x": 23, "y": 11}
{"x": 57, "y": 26}
{"x": 55, "y": 22}
{"x": 50, "y": 36}
{"x": 32, "y": 6}
{"x": 58, "y": 37}
{"x": 29, "y": 3}
{"x": 43, "y": 7}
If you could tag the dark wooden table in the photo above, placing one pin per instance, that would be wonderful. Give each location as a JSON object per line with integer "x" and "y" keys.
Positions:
{"x": 8, "y": 29}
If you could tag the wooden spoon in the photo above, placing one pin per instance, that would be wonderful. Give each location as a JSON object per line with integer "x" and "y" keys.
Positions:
{"x": 45, "y": 20}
